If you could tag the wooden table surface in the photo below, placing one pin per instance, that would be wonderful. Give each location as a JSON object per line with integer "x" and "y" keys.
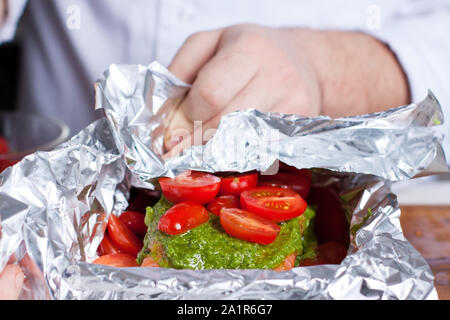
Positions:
{"x": 428, "y": 230}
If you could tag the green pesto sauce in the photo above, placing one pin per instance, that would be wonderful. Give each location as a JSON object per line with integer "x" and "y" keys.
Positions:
{"x": 208, "y": 246}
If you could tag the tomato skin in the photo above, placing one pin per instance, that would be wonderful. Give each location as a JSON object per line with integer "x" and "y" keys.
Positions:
{"x": 135, "y": 222}
{"x": 330, "y": 223}
{"x": 118, "y": 260}
{"x": 182, "y": 217}
{"x": 194, "y": 186}
{"x": 235, "y": 184}
{"x": 248, "y": 226}
{"x": 149, "y": 262}
{"x": 299, "y": 183}
{"x": 274, "y": 203}
{"x": 107, "y": 246}
{"x": 227, "y": 201}
{"x": 287, "y": 264}
{"x": 123, "y": 238}
{"x": 4, "y": 146}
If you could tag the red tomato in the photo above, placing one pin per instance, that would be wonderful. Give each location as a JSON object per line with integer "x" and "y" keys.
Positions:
{"x": 274, "y": 203}
{"x": 216, "y": 204}
{"x": 106, "y": 246}
{"x": 248, "y": 226}
{"x": 135, "y": 221}
{"x": 330, "y": 223}
{"x": 4, "y": 146}
{"x": 332, "y": 252}
{"x": 117, "y": 260}
{"x": 149, "y": 262}
{"x": 194, "y": 186}
{"x": 183, "y": 217}
{"x": 124, "y": 239}
{"x": 235, "y": 184}
{"x": 287, "y": 264}
{"x": 298, "y": 183}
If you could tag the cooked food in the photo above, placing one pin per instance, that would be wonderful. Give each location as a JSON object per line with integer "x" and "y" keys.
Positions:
{"x": 223, "y": 221}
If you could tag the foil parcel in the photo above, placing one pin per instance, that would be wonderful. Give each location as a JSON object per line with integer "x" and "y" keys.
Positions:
{"x": 52, "y": 204}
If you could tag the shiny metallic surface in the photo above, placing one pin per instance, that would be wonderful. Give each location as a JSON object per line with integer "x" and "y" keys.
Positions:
{"x": 53, "y": 205}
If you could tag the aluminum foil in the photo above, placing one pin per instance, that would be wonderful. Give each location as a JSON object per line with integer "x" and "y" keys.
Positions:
{"x": 54, "y": 204}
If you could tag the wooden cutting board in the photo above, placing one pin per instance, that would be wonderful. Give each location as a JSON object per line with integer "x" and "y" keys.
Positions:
{"x": 428, "y": 230}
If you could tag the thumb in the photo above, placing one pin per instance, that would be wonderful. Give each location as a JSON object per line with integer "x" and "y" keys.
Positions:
{"x": 11, "y": 282}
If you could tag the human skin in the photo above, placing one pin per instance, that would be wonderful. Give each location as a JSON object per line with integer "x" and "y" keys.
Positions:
{"x": 3, "y": 11}
{"x": 288, "y": 70}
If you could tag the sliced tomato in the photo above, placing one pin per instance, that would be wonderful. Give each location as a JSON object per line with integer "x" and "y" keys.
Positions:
{"x": 194, "y": 186}
{"x": 124, "y": 239}
{"x": 135, "y": 221}
{"x": 248, "y": 226}
{"x": 149, "y": 262}
{"x": 330, "y": 223}
{"x": 183, "y": 217}
{"x": 228, "y": 201}
{"x": 287, "y": 264}
{"x": 299, "y": 183}
{"x": 107, "y": 246}
{"x": 117, "y": 260}
{"x": 4, "y": 146}
{"x": 274, "y": 203}
{"x": 235, "y": 184}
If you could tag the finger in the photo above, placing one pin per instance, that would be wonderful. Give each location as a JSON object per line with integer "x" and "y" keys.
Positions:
{"x": 217, "y": 83}
{"x": 256, "y": 94}
{"x": 11, "y": 282}
{"x": 197, "y": 50}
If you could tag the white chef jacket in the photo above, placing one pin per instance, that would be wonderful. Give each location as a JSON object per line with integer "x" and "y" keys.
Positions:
{"x": 67, "y": 44}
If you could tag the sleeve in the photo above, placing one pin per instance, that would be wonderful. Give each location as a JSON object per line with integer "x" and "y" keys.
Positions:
{"x": 9, "y": 26}
{"x": 418, "y": 34}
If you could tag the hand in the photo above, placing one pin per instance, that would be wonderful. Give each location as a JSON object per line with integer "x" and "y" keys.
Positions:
{"x": 3, "y": 11}
{"x": 11, "y": 282}
{"x": 288, "y": 70}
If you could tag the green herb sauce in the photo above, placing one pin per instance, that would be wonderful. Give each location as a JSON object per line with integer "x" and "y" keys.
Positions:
{"x": 208, "y": 246}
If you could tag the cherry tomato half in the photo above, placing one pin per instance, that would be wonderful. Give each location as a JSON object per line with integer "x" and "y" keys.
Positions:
{"x": 117, "y": 260}
{"x": 149, "y": 262}
{"x": 248, "y": 226}
{"x": 183, "y": 217}
{"x": 274, "y": 203}
{"x": 228, "y": 201}
{"x": 135, "y": 221}
{"x": 194, "y": 186}
{"x": 4, "y": 146}
{"x": 124, "y": 239}
{"x": 235, "y": 184}
{"x": 298, "y": 183}
{"x": 107, "y": 246}
{"x": 287, "y": 264}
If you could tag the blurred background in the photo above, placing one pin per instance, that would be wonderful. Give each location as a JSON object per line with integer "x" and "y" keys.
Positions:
{"x": 419, "y": 191}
